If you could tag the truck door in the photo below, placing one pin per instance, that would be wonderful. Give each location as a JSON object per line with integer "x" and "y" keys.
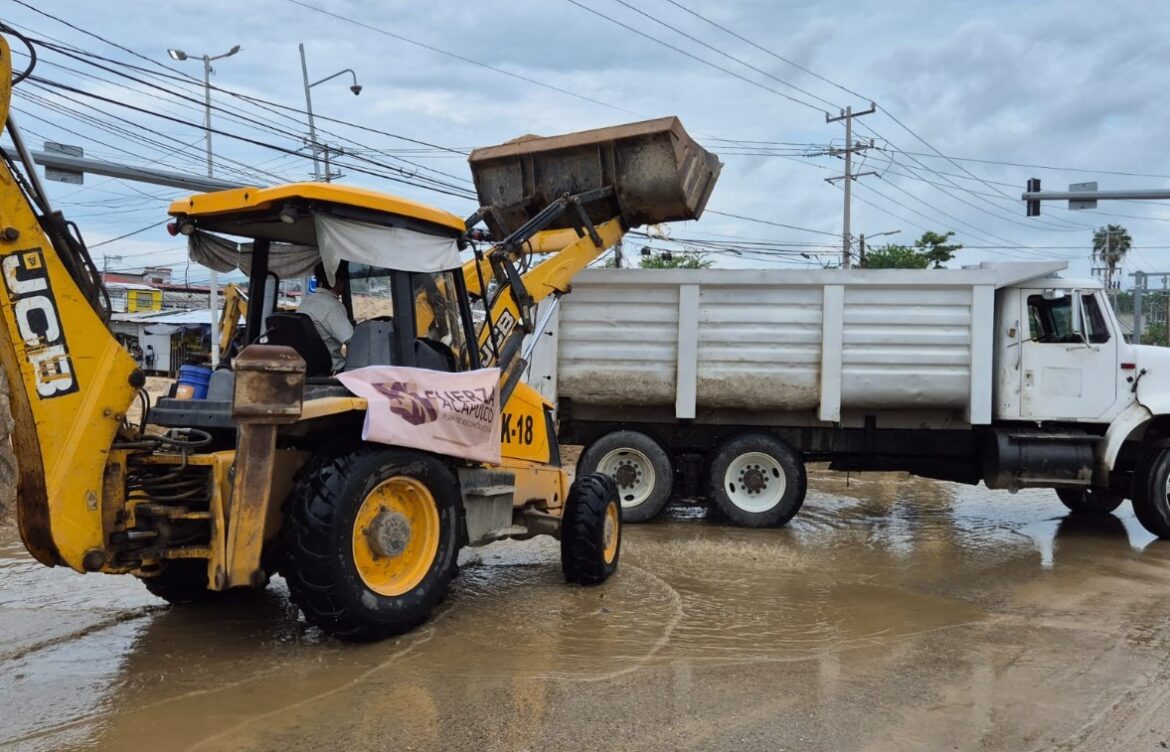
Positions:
{"x": 1069, "y": 358}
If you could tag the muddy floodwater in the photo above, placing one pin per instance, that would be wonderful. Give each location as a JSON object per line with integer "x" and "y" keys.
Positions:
{"x": 893, "y": 614}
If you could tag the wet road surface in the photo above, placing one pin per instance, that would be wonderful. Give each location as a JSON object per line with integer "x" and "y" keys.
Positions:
{"x": 893, "y": 614}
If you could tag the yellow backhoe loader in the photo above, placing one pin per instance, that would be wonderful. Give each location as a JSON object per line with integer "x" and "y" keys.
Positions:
{"x": 270, "y": 472}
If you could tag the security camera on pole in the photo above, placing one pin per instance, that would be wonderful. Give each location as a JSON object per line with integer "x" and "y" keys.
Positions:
{"x": 356, "y": 88}
{"x": 213, "y": 280}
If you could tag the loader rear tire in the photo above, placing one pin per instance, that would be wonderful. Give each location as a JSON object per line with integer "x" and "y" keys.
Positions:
{"x": 181, "y": 581}
{"x": 641, "y": 468}
{"x": 591, "y": 530}
{"x": 757, "y": 480}
{"x": 1089, "y": 500}
{"x": 371, "y": 541}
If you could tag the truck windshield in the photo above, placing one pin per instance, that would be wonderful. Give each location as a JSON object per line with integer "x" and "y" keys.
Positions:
{"x": 1051, "y": 320}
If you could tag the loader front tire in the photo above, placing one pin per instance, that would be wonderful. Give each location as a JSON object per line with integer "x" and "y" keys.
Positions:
{"x": 591, "y": 530}
{"x": 371, "y": 541}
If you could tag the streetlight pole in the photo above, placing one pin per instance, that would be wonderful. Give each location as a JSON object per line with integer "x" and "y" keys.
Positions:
{"x": 309, "y": 110}
{"x": 861, "y": 245}
{"x": 356, "y": 88}
{"x": 213, "y": 277}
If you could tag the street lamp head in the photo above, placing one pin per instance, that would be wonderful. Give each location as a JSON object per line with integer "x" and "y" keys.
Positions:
{"x": 356, "y": 89}
{"x": 177, "y": 54}
{"x": 233, "y": 51}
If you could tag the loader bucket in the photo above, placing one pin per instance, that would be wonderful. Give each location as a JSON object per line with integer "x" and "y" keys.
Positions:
{"x": 658, "y": 174}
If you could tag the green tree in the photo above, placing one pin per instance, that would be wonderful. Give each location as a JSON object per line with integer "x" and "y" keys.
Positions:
{"x": 895, "y": 257}
{"x": 1155, "y": 334}
{"x": 930, "y": 251}
{"x": 935, "y": 249}
{"x": 1110, "y": 244}
{"x": 676, "y": 261}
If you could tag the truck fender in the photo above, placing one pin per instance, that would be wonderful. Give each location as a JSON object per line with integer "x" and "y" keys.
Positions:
{"x": 1133, "y": 417}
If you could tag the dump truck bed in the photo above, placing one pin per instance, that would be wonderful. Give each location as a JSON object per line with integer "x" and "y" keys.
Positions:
{"x": 795, "y": 341}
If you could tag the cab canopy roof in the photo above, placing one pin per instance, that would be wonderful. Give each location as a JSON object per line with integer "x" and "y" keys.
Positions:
{"x": 304, "y": 223}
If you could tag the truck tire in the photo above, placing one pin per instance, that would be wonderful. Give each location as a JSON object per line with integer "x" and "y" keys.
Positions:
{"x": 757, "y": 480}
{"x": 591, "y": 530}
{"x": 640, "y": 467}
{"x": 371, "y": 541}
{"x": 1089, "y": 500}
{"x": 1151, "y": 490}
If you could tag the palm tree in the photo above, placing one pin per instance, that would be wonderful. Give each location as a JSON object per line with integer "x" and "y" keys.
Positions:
{"x": 1110, "y": 244}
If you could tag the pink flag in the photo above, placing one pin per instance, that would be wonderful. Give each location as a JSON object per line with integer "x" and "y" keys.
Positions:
{"x": 456, "y": 414}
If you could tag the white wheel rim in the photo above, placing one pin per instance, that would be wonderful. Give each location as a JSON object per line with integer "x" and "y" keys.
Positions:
{"x": 632, "y": 472}
{"x": 755, "y": 482}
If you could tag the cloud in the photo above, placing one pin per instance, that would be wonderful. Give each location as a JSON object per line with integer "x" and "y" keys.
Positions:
{"x": 1055, "y": 83}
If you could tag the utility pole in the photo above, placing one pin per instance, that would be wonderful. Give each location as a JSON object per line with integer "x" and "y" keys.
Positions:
{"x": 106, "y": 265}
{"x": 849, "y": 177}
{"x": 1104, "y": 270}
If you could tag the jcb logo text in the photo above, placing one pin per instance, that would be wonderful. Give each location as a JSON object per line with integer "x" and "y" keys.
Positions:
{"x": 37, "y": 321}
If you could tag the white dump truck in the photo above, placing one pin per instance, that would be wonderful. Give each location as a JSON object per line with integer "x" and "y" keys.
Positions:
{"x": 723, "y": 383}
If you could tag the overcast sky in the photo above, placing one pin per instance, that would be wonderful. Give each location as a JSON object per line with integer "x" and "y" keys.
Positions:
{"x": 1054, "y": 84}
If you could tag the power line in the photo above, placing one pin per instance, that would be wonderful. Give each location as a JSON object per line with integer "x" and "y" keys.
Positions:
{"x": 254, "y": 101}
{"x": 1047, "y": 167}
{"x": 770, "y": 222}
{"x": 767, "y": 51}
{"x": 727, "y": 55}
{"x": 681, "y": 51}
{"x": 462, "y": 58}
{"x": 251, "y": 121}
{"x": 129, "y": 234}
{"x": 245, "y": 139}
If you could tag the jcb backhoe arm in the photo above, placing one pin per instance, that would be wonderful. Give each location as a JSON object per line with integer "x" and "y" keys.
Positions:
{"x": 70, "y": 382}
{"x": 594, "y": 185}
{"x": 549, "y": 277}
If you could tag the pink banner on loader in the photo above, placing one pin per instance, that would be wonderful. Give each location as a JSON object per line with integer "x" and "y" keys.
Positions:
{"x": 456, "y": 414}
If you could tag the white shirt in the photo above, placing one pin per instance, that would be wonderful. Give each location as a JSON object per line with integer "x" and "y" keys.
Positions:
{"x": 331, "y": 320}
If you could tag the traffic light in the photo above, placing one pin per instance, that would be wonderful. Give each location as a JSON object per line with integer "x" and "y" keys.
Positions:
{"x": 1033, "y": 204}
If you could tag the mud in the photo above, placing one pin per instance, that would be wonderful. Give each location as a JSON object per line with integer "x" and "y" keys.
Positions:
{"x": 893, "y": 613}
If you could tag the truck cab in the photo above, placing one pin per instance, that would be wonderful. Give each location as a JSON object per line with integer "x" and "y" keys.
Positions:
{"x": 1060, "y": 353}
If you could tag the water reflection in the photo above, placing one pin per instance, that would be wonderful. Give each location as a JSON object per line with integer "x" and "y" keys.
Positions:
{"x": 866, "y": 584}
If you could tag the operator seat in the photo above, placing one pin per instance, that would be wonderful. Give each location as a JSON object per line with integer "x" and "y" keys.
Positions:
{"x": 296, "y": 330}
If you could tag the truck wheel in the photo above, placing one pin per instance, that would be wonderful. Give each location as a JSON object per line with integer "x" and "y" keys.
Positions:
{"x": 591, "y": 530}
{"x": 371, "y": 540}
{"x": 1089, "y": 500}
{"x": 757, "y": 481}
{"x": 641, "y": 468}
{"x": 1151, "y": 490}
{"x": 181, "y": 581}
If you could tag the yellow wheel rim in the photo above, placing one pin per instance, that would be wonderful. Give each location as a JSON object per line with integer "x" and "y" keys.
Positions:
{"x": 612, "y": 531}
{"x": 396, "y": 536}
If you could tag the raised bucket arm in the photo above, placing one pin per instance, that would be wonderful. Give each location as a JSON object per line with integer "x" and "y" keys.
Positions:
{"x": 576, "y": 196}
{"x": 70, "y": 382}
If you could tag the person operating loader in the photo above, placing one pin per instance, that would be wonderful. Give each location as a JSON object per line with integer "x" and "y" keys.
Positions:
{"x": 329, "y": 316}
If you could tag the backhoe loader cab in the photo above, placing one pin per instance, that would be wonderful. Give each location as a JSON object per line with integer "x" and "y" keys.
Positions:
{"x": 285, "y": 466}
{"x": 366, "y": 534}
